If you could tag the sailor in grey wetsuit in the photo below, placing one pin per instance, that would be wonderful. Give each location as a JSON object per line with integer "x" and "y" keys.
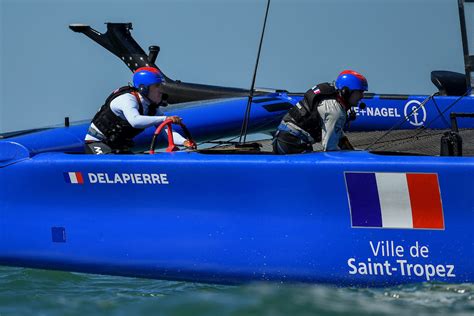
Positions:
{"x": 127, "y": 112}
{"x": 320, "y": 116}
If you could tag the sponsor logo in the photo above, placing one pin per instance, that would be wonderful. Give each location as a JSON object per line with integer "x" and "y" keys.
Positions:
{"x": 415, "y": 113}
{"x": 394, "y": 200}
{"x": 380, "y": 112}
{"x": 116, "y": 178}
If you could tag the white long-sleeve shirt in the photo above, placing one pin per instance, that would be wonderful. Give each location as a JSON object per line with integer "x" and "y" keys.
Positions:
{"x": 126, "y": 107}
{"x": 333, "y": 116}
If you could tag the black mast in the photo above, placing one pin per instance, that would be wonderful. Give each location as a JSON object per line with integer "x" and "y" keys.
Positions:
{"x": 243, "y": 131}
{"x": 468, "y": 60}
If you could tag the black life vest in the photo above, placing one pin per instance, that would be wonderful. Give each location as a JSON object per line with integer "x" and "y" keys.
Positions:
{"x": 118, "y": 132}
{"x": 305, "y": 114}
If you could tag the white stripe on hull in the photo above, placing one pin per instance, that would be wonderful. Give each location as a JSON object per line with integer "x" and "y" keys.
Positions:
{"x": 394, "y": 200}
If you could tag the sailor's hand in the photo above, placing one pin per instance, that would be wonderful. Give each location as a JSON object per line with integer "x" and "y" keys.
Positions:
{"x": 189, "y": 144}
{"x": 174, "y": 119}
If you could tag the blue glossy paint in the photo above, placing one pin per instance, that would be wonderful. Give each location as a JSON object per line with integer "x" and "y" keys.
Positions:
{"x": 207, "y": 120}
{"x": 225, "y": 218}
{"x": 214, "y": 119}
{"x": 382, "y": 114}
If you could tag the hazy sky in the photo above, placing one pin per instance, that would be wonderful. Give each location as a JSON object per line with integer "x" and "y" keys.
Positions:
{"x": 48, "y": 72}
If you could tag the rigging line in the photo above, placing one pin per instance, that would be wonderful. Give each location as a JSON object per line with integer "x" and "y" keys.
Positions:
{"x": 390, "y": 141}
{"x": 243, "y": 131}
{"x": 425, "y": 127}
{"x": 265, "y": 123}
{"x": 449, "y": 107}
{"x": 230, "y": 141}
{"x": 406, "y": 118}
{"x": 406, "y": 140}
{"x": 439, "y": 112}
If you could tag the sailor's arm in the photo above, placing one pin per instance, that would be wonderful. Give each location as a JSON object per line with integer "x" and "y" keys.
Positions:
{"x": 143, "y": 121}
{"x": 129, "y": 108}
{"x": 177, "y": 137}
{"x": 331, "y": 135}
{"x": 174, "y": 118}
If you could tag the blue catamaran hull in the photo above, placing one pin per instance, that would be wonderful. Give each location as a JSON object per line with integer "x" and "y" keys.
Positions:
{"x": 215, "y": 119}
{"x": 230, "y": 218}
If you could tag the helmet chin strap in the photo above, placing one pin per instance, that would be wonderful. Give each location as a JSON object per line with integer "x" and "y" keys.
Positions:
{"x": 343, "y": 101}
{"x": 145, "y": 96}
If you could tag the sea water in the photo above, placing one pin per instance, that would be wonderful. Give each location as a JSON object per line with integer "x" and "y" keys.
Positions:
{"x": 40, "y": 292}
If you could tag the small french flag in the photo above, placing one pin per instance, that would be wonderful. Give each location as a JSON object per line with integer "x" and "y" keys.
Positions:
{"x": 395, "y": 200}
{"x": 73, "y": 177}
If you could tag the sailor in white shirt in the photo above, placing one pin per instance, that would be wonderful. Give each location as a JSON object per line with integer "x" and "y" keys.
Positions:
{"x": 127, "y": 112}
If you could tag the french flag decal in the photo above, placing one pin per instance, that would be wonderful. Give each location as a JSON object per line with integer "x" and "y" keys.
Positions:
{"x": 395, "y": 200}
{"x": 73, "y": 177}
